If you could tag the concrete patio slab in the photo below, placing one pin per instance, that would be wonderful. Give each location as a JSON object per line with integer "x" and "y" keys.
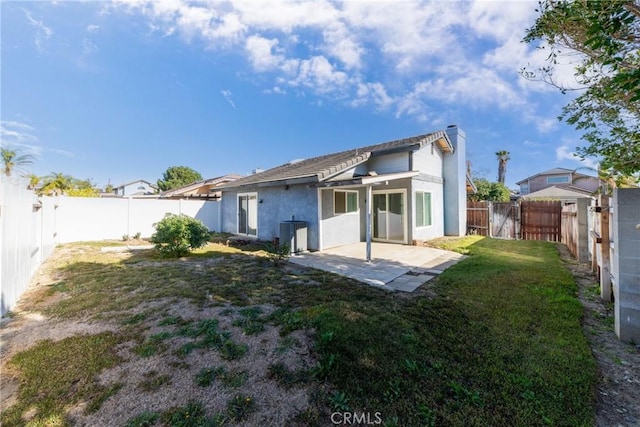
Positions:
{"x": 393, "y": 267}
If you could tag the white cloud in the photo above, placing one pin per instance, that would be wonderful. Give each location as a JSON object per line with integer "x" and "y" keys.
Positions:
{"x": 261, "y": 55}
{"x": 20, "y": 135}
{"x": 43, "y": 33}
{"x": 88, "y": 47}
{"x": 374, "y": 93}
{"x": 405, "y": 55}
{"x": 318, "y": 73}
{"x": 228, "y": 96}
{"x": 15, "y": 133}
{"x": 564, "y": 152}
{"x": 93, "y": 28}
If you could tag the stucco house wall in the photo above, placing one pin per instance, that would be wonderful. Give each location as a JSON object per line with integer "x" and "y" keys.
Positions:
{"x": 305, "y": 191}
{"x": 436, "y": 229}
{"x": 275, "y": 205}
{"x": 341, "y": 229}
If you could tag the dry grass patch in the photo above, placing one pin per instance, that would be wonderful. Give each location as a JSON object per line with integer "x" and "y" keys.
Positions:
{"x": 225, "y": 337}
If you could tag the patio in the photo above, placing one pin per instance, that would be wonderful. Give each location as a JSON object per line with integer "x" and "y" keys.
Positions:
{"x": 393, "y": 267}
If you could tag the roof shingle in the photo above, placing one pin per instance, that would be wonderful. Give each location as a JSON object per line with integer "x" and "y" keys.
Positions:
{"x": 320, "y": 168}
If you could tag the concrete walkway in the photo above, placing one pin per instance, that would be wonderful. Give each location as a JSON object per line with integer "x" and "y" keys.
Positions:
{"x": 393, "y": 267}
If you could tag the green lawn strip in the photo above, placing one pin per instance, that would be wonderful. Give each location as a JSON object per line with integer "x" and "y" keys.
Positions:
{"x": 55, "y": 375}
{"x": 501, "y": 344}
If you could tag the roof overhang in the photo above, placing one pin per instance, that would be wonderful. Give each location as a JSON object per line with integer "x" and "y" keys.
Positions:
{"x": 441, "y": 139}
{"x": 369, "y": 179}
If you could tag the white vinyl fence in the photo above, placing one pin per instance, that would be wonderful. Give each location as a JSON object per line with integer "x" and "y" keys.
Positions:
{"x": 26, "y": 239}
{"x": 88, "y": 218}
{"x": 31, "y": 226}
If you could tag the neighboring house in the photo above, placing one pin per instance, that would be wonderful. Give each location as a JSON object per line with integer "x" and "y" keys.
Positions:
{"x": 567, "y": 194}
{"x": 559, "y": 177}
{"x": 204, "y": 189}
{"x": 135, "y": 188}
{"x": 415, "y": 189}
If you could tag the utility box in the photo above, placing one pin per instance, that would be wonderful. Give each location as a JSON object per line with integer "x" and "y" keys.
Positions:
{"x": 294, "y": 234}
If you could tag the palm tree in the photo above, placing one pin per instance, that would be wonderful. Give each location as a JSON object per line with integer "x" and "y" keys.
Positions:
{"x": 34, "y": 180}
{"x": 57, "y": 184}
{"x": 503, "y": 158}
{"x": 11, "y": 159}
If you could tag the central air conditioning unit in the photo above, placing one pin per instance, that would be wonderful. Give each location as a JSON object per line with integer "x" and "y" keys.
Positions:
{"x": 294, "y": 234}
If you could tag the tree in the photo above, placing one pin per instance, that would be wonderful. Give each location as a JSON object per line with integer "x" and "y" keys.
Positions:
{"x": 178, "y": 176}
{"x": 605, "y": 35}
{"x": 12, "y": 159}
{"x": 490, "y": 191}
{"x": 610, "y": 179}
{"x": 56, "y": 184}
{"x": 34, "y": 180}
{"x": 503, "y": 158}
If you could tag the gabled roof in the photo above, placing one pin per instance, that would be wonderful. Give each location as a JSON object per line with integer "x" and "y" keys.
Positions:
{"x": 193, "y": 186}
{"x": 554, "y": 171}
{"x": 559, "y": 192}
{"x": 133, "y": 182}
{"x": 321, "y": 168}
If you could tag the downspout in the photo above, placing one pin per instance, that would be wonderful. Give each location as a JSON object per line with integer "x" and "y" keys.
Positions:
{"x": 368, "y": 220}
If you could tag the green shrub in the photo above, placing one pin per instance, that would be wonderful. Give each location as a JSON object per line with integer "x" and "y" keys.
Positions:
{"x": 176, "y": 235}
{"x": 278, "y": 254}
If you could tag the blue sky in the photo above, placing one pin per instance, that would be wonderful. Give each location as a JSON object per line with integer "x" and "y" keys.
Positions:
{"x": 120, "y": 91}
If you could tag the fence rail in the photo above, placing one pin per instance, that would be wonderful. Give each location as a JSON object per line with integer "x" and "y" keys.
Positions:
{"x": 528, "y": 220}
{"x": 541, "y": 220}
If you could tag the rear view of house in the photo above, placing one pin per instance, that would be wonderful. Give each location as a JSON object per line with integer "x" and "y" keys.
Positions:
{"x": 401, "y": 191}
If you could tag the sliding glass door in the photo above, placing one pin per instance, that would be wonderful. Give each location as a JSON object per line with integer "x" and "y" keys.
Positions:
{"x": 248, "y": 214}
{"x": 389, "y": 217}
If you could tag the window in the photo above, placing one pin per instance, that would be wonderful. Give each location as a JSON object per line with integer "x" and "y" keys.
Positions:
{"x": 423, "y": 209}
{"x": 557, "y": 179}
{"x": 524, "y": 188}
{"x": 345, "y": 202}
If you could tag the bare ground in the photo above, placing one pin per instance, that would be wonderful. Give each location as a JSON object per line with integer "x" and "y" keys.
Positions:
{"x": 618, "y": 391}
{"x": 275, "y": 405}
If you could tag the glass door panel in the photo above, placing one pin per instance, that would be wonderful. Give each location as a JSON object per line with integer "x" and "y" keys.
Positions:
{"x": 389, "y": 216}
{"x": 379, "y": 216}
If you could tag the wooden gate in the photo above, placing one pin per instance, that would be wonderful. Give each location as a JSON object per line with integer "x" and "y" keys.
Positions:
{"x": 527, "y": 220}
{"x": 478, "y": 218}
{"x": 503, "y": 220}
{"x": 541, "y": 220}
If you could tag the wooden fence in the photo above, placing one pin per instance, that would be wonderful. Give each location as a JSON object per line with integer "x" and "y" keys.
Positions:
{"x": 541, "y": 220}
{"x": 478, "y": 218}
{"x": 528, "y": 220}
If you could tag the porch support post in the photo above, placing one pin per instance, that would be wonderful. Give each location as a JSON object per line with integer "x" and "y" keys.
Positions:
{"x": 368, "y": 204}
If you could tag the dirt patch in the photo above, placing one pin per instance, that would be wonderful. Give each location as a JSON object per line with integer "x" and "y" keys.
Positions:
{"x": 618, "y": 391}
{"x": 165, "y": 379}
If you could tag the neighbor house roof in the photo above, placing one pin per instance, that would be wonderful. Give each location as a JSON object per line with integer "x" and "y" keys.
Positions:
{"x": 559, "y": 192}
{"x": 134, "y": 182}
{"x": 554, "y": 171}
{"x": 210, "y": 182}
{"x": 318, "y": 169}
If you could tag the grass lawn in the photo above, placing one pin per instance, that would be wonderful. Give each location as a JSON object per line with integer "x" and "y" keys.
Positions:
{"x": 500, "y": 343}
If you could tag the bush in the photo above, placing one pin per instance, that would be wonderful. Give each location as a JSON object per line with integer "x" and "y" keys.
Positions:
{"x": 176, "y": 235}
{"x": 278, "y": 254}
